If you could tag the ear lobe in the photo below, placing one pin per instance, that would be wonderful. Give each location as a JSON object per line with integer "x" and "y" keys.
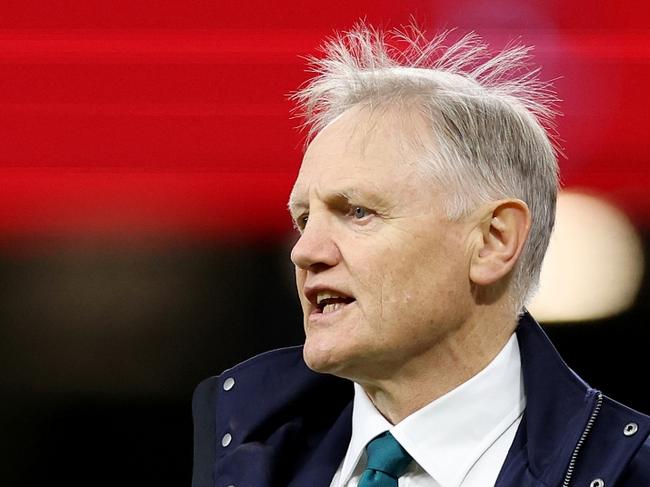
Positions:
{"x": 503, "y": 231}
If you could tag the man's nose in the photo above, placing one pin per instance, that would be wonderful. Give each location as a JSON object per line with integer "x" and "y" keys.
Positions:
{"x": 315, "y": 248}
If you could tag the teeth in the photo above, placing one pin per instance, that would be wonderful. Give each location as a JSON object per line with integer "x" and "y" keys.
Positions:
{"x": 332, "y": 307}
{"x": 325, "y": 295}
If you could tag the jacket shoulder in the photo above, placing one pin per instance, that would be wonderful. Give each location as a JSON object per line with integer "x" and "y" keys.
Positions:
{"x": 204, "y": 408}
{"x": 275, "y": 358}
{"x": 206, "y": 392}
{"x": 248, "y": 417}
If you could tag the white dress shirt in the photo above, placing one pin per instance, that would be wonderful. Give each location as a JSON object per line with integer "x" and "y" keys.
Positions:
{"x": 459, "y": 440}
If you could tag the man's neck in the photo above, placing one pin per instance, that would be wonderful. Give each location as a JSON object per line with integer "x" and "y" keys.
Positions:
{"x": 425, "y": 378}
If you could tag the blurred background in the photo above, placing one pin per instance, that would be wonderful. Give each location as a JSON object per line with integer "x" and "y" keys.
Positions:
{"x": 146, "y": 159}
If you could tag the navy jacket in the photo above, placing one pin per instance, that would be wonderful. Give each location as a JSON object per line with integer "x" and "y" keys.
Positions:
{"x": 280, "y": 424}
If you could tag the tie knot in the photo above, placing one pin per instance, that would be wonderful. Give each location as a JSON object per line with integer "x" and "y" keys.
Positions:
{"x": 386, "y": 455}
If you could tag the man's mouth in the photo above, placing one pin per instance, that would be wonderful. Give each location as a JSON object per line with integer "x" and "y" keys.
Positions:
{"x": 328, "y": 302}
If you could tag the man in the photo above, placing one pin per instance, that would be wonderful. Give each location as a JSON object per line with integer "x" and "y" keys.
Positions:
{"x": 425, "y": 202}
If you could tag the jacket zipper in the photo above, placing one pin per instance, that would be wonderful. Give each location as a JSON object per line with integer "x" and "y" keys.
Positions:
{"x": 583, "y": 437}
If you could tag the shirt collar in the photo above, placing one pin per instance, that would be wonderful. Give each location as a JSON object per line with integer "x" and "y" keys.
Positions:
{"x": 448, "y": 436}
{"x": 367, "y": 423}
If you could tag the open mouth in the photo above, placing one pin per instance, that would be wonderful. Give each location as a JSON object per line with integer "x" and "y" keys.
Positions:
{"x": 328, "y": 302}
{"x": 333, "y": 304}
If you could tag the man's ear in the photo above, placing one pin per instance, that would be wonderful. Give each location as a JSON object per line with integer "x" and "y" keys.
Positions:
{"x": 502, "y": 233}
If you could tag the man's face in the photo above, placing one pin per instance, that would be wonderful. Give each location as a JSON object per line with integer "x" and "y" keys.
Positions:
{"x": 382, "y": 275}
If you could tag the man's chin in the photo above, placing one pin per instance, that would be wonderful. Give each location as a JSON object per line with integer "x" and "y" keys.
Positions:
{"x": 324, "y": 360}
{"x": 317, "y": 361}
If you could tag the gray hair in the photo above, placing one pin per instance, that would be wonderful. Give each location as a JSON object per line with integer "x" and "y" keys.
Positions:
{"x": 490, "y": 120}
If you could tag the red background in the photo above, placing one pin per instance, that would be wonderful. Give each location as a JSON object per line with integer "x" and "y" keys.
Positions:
{"x": 149, "y": 119}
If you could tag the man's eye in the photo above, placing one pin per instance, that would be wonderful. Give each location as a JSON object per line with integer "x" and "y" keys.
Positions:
{"x": 359, "y": 212}
{"x": 301, "y": 222}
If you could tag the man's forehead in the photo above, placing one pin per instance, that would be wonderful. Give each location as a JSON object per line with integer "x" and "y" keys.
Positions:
{"x": 325, "y": 173}
{"x": 363, "y": 127}
{"x": 359, "y": 153}
{"x": 301, "y": 193}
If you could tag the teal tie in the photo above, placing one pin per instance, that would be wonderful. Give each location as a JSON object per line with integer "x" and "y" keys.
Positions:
{"x": 387, "y": 461}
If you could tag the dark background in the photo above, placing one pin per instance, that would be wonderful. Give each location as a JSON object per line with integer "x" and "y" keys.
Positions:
{"x": 148, "y": 152}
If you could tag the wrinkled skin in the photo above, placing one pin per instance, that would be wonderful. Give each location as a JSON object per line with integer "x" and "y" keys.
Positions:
{"x": 373, "y": 228}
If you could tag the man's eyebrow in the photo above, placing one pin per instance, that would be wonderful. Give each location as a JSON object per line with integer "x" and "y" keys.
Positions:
{"x": 359, "y": 195}
{"x": 349, "y": 195}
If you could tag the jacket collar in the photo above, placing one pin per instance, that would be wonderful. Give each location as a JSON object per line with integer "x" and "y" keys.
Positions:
{"x": 558, "y": 404}
{"x": 568, "y": 421}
